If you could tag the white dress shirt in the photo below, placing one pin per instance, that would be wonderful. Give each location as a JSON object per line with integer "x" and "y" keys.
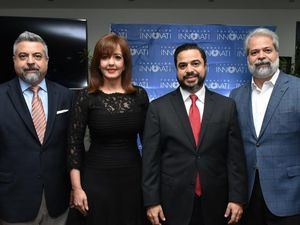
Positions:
{"x": 260, "y": 100}
{"x": 188, "y": 102}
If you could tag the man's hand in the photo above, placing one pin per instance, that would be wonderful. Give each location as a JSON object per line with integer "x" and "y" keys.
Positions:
{"x": 155, "y": 214}
{"x": 234, "y": 211}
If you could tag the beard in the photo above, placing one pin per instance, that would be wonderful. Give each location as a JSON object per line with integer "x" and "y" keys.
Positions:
{"x": 262, "y": 69}
{"x": 31, "y": 78}
{"x": 191, "y": 87}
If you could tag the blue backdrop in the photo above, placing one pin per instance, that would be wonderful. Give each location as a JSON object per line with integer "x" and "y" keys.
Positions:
{"x": 152, "y": 47}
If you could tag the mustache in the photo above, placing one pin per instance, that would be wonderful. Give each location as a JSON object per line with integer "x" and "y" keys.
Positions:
{"x": 263, "y": 62}
{"x": 190, "y": 74}
{"x": 31, "y": 68}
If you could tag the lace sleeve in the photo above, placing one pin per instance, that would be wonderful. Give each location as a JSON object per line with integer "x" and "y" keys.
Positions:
{"x": 78, "y": 123}
{"x": 144, "y": 103}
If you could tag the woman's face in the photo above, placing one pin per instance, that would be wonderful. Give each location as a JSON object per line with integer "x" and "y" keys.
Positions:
{"x": 112, "y": 66}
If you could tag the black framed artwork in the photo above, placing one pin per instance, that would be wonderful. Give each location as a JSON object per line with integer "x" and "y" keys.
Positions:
{"x": 297, "y": 51}
{"x": 285, "y": 64}
{"x": 67, "y": 44}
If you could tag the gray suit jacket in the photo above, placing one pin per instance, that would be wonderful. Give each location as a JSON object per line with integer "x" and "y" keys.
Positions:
{"x": 276, "y": 151}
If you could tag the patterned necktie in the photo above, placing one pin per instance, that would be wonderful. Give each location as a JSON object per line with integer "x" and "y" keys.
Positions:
{"x": 38, "y": 114}
{"x": 195, "y": 120}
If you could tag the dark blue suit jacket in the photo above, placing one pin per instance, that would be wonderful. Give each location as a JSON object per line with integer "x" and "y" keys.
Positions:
{"x": 171, "y": 159}
{"x": 27, "y": 167}
{"x": 276, "y": 151}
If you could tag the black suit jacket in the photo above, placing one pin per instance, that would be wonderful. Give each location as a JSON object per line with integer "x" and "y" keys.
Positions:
{"x": 27, "y": 167}
{"x": 171, "y": 159}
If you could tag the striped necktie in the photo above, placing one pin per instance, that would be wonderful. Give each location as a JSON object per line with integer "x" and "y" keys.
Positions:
{"x": 38, "y": 114}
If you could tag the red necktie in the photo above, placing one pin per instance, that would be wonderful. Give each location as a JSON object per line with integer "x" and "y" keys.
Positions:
{"x": 195, "y": 120}
{"x": 38, "y": 114}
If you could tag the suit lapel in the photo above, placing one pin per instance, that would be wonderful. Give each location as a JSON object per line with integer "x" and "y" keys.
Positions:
{"x": 52, "y": 108}
{"x": 209, "y": 106}
{"x": 247, "y": 109}
{"x": 182, "y": 115}
{"x": 16, "y": 96}
{"x": 280, "y": 88}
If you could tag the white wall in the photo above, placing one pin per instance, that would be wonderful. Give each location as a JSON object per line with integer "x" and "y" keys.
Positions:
{"x": 100, "y": 19}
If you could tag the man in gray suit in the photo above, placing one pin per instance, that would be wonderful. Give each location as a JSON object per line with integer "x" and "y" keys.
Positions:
{"x": 269, "y": 116}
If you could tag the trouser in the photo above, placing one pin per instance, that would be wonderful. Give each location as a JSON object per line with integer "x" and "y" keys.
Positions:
{"x": 43, "y": 217}
{"x": 257, "y": 212}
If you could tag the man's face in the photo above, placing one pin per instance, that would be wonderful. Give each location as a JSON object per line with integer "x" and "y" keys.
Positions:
{"x": 191, "y": 70}
{"x": 30, "y": 62}
{"x": 263, "y": 59}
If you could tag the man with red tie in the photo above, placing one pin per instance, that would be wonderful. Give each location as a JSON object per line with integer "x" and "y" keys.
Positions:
{"x": 193, "y": 161}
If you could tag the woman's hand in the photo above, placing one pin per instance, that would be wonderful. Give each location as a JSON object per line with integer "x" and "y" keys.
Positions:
{"x": 80, "y": 201}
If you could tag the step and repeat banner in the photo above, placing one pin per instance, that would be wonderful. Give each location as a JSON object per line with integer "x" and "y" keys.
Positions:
{"x": 152, "y": 47}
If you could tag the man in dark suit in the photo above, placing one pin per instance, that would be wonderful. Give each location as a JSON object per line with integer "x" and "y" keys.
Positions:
{"x": 269, "y": 115}
{"x": 34, "y": 185}
{"x": 193, "y": 174}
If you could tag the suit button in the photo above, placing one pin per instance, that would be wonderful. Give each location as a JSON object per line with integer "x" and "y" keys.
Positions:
{"x": 257, "y": 144}
{"x": 39, "y": 176}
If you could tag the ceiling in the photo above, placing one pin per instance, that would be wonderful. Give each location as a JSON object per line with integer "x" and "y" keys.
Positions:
{"x": 152, "y": 4}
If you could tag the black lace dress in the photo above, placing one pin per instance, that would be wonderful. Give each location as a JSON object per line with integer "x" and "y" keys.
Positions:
{"x": 111, "y": 168}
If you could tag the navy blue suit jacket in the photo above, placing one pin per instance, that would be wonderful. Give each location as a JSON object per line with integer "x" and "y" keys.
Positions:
{"x": 27, "y": 167}
{"x": 276, "y": 151}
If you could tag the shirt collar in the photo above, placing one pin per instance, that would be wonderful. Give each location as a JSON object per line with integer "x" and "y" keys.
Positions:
{"x": 25, "y": 86}
{"x": 271, "y": 81}
{"x": 200, "y": 94}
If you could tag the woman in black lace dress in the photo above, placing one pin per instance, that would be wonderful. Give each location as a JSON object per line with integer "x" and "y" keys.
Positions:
{"x": 106, "y": 180}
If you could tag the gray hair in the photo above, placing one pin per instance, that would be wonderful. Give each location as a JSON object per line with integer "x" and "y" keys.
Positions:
{"x": 28, "y": 36}
{"x": 262, "y": 32}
